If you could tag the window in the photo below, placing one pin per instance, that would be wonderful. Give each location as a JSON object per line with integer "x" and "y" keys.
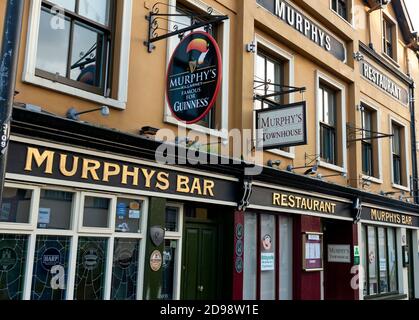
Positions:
{"x": 216, "y": 120}
{"x": 172, "y": 253}
{"x": 389, "y": 38}
{"x": 68, "y": 247}
{"x": 397, "y": 154}
{"x": 267, "y": 246}
{"x": 367, "y": 142}
{"x": 78, "y": 53}
{"x": 341, "y": 8}
{"x": 80, "y": 48}
{"x": 328, "y": 124}
{"x": 269, "y": 70}
{"x": 380, "y": 262}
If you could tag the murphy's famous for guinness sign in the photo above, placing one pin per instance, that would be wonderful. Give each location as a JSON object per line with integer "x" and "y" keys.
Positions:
{"x": 194, "y": 77}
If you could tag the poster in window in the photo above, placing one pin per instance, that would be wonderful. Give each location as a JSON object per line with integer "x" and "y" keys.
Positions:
{"x": 312, "y": 251}
{"x": 267, "y": 256}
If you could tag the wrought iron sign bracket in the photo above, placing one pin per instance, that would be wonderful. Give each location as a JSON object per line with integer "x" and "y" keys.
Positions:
{"x": 279, "y": 90}
{"x": 198, "y": 21}
{"x": 247, "y": 190}
{"x": 353, "y": 132}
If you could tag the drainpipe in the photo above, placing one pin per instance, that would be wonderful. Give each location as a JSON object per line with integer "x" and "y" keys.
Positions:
{"x": 8, "y": 67}
{"x": 414, "y": 143}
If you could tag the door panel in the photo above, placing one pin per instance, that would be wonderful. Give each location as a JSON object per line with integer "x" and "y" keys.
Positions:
{"x": 200, "y": 263}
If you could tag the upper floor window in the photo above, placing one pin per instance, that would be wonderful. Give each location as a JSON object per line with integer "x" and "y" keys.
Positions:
{"x": 341, "y": 8}
{"x": 328, "y": 124}
{"x": 75, "y": 44}
{"x": 367, "y": 148}
{"x": 389, "y": 38}
{"x": 397, "y": 154}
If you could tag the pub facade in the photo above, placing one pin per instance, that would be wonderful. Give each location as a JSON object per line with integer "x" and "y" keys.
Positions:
{"x": 90, "y": 212}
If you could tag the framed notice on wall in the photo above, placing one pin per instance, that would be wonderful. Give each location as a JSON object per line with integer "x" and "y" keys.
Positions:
{"x": 312, "y": 251}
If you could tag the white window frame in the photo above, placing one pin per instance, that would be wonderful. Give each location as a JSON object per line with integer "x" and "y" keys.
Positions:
{"x": 376, "y": 180}
{"x": 32, "y": 47}
{"x": 321, "y": 77}
{"x": 33, "y": 214}
{"x": 225, "y": 53}
{"x": 393, "y": 119}
{"x": 74, "y": 235}
{"x": 170, "y": 235}
{"x": 350, "y": 12}
{"x": 282, "y": 54}
{"x": 111, "y": 210}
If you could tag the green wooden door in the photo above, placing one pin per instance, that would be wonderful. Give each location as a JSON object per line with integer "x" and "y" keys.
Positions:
{"x": 199, "y": 269}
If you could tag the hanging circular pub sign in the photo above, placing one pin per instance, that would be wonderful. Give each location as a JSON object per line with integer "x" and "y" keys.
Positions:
{"x": 194, "y": 77}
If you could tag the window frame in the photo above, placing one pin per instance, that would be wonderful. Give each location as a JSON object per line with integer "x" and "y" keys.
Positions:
{"x": 387, "y": 19}
{"x": 224, "y": 91}
{"x": 404, "y": 155}
{"x": 120, "y": 91}
{"x": 74, "y": 235}
{"x": 288, "y": 59}
{"x": 177, "y": 236}
{"x": 321, "y": 78}
{"x": 329, "y": 127}
{"x": 376, "y": 143}
{"x": 349, "y": 11}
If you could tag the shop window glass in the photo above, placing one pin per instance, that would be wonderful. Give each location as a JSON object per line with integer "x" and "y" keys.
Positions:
{"x": 12, "y": 266}
{"x": 90, "y": 268}
{"x": 267, "y": 249}
{"x": 383, "y": 260}
{"x": 285, "y": 259}
{"x": 250, "y": 258}
{"x": 128, "y": 215}
{"x": 125, "y": 269}
{"x": 392, "y": 258}
{"x": 172, "y": 215}
{"x": 55, "y": 208}
{"x": 16, "y": 205}
{"x": 168, "y": 266}
{"x": 96, "y": 212}
{"x": 49, "y": 280}
{"x": 364, "y": 257}
{"x": 372, "y": 261}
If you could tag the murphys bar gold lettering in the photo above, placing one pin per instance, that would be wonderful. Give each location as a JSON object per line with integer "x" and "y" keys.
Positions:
{"x": 390, "y": 217}
{"x": 303, "y": 203}
{"x": 94, "y": 170}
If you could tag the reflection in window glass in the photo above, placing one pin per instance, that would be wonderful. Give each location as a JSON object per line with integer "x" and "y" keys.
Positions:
{"x": 128, "y": 215}
{"x": 124, "y": 271}
{"x": 66, "y": 4}
{"x": 12, "y": 266}
{"x": 250, "y": 251}
{"x": 55, "y": 209}
{"x": 16, "y": 205}
{"x": 392, "y": 260}
{"x": 382, "y": 252}
{"x": 285, "y": 259}
{"x": 372, "y": 261}
{"x": 49, "y": 280}
{"x": 267, "y": 243}
{"x": 96, "y": 10}
{"x": 169, "y": 258}
{"x": 53, "y": 45}
{"x": 364, "y": 258}
{"x": 96, "y": 212}
{"x": 90, "y": 269}
{"x": 172, "y": 214}
{"x": 87, "y": 55}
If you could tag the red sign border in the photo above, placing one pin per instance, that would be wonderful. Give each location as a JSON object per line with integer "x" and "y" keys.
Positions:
{"x": 219, "y": 79}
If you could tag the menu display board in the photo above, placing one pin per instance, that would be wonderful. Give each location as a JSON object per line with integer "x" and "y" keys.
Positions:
{"x": 312, "y": 251}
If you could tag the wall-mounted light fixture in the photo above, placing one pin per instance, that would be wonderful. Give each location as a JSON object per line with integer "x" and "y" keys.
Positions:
{"x": 311, "y": 171}
{"x": 272, "y": 163}
{"x": 342, "y": 174}
{"x": 251, "y": 47}
{"x": 358, "y": 56}
{"x": 391, "y": 193}
{"x": 74, "y": 115}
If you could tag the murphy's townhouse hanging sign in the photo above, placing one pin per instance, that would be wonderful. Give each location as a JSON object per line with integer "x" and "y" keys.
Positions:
{"x": 32, "y": 162}
{"x": 383, "y": 82}
{"x": 194, "y": 77}
{"x": 300, "y": 22}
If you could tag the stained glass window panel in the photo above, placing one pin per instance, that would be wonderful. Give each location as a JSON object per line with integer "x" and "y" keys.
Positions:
{"x": 125, "y": 269}
{"x": 12, "y": 266}
{"x": 50, "y": 268}
{"x": 90, "y": 269}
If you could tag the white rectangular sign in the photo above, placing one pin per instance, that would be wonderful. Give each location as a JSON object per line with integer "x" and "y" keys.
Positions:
{"x": 267, "y": 261}
{"x": 339, "y": 253}
{"x": 281, "y": 126}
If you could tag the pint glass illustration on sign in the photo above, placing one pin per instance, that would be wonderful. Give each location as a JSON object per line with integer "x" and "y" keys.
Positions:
{"x": 194, "y": 77}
